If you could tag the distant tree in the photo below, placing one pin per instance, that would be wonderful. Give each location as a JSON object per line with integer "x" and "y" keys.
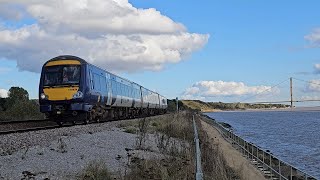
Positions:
{"x": 16, "y": 94}
{"x": 22, "y": 110}
{"x": 3, "y": 104}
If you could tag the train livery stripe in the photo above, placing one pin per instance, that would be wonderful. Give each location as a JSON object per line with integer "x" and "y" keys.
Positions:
{"x": 63, "y": 62}
{"x": 60, "y": 93}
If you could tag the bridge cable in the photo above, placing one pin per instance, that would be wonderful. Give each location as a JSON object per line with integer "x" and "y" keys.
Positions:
{"x": 264, "y": 90}
{"x": 310, "y": 82}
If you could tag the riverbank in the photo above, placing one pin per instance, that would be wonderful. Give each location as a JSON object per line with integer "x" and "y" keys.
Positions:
{"x": 234, "y": 158}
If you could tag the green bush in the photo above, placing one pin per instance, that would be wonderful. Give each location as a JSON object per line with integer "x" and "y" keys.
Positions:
{"x": 22, "y": 110}
{"x": 18, "y": 106}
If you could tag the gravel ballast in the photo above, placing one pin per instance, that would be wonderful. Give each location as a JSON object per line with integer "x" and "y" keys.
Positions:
{"x": 64, "y": 152}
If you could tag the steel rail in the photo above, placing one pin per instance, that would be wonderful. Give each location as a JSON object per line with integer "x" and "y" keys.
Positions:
{"x": 29, "y": 129}
{"x": 24, "y": 121}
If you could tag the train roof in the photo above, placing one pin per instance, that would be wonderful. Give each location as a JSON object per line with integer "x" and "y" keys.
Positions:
{"x": 82, "y": 61}
{"x": 68, "y": 57}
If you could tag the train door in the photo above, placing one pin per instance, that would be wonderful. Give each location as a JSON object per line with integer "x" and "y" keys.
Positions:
{"x": 109, "y": 90}
{"x": 141, "y": 96}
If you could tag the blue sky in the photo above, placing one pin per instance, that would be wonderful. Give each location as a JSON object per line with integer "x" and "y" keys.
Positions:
{"x": 257, "y": 43}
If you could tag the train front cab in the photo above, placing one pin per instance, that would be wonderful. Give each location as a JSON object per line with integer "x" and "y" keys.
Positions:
{"x": 62, "y": 88}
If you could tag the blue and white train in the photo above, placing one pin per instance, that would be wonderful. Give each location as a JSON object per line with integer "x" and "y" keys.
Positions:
{"x": 72, "y": 89}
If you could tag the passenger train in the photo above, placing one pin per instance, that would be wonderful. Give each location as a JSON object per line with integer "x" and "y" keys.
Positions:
{"x": 72, "y": 89}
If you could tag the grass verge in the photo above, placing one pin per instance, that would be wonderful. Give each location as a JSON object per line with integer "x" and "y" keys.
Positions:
{"x": 95, "y": 171}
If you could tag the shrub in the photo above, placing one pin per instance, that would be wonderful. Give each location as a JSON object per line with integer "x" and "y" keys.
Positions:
{"x": 131, "y": 130}
{"x": 22, "y": 110}
{"x": 96, "y": 171}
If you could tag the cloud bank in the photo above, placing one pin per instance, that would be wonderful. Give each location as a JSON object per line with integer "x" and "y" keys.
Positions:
{"x": 313, "y": 86}
{"x": 3, "y": 93}
{"x": 314, "y": 37}
{"x": 110, "y": 33}
{"x": 317, "y": 68}
{"x": 203, "y": 90}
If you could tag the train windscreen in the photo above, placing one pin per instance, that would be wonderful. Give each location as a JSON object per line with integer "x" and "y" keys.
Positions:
{"x": 62, "y": 75}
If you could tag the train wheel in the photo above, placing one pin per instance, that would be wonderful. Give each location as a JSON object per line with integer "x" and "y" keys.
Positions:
{"x": 88, "y": 118}
{"x": 60, "y": 123}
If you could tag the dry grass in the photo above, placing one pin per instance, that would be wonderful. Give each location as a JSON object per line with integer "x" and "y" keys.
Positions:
{"x": 166, "y": 168}
{"x": 130, "y": 129}
{"x": 198, "y": 105}
{"x": 95, "y": 171}
{"x": 174, "y": 141}
{"x": 213, "y": 162}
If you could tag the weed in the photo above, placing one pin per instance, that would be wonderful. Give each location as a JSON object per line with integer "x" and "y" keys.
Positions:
{"x": 95, "y": 171}
{"x": 173, "y": 141}
{"x": 142, "y": 132}
{"x": 213, "y": 161}
{"x": 123, "y": 124}
{"x": 62, "y": 146}
{"x": 25, "y": 153}
{"x": 131, "y": 130}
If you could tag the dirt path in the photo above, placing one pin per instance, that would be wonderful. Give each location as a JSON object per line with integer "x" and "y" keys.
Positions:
{"x": 233, "y": 157}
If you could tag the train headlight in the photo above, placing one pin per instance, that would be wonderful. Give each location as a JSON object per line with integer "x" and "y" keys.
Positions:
{"x": 77, "y": 95}
{"x": 43, "y": 96}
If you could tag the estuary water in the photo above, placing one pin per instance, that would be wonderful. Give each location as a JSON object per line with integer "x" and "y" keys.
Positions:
{"x": 292, "y": 136}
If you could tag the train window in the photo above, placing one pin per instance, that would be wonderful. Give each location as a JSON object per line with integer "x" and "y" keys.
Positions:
{"x": 122, "y": 90}
{"x": 91, "y": 80}
{"x": 61, "y": 75}
{"x": 112, "y": 87}
{"x": 103, "y": 84}
{"x": 127, "y": 91}
{"x": 125, "y": 88}
{"x": 118, "y": 88}
{"x": 115, "y": 87}
{"x": 97, "y": 84}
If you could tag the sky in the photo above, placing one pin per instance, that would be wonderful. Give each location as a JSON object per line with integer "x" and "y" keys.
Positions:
{"x": 230, "y": 51}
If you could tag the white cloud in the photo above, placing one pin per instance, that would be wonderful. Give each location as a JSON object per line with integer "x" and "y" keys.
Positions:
{"x": 313, "y": 86}
{"x": 4, "y": 70}
{"x": 110, "y": 33}
{"x": 208, "y": 89}
{"x": 310, "y": 97}
{"x": 317, "y": 68}
{"x": 3, "y": 93}
{"x": 314, "y": 37}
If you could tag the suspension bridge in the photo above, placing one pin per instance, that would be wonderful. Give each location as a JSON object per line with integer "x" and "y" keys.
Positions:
{"x": 290, "y": 100}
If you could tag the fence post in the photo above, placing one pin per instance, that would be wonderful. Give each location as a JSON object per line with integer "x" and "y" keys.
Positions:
{"x": 199, "y": 174}
{"x": 279, "y": 168}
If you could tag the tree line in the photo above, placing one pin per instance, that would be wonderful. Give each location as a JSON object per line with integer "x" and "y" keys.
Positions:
{"x": 18, "y": 106}
{"x": 198, "y": 105}
{"x": 243, "y": 106}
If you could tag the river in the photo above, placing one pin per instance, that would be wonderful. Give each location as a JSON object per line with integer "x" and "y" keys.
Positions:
{"x": 293, "y": 136}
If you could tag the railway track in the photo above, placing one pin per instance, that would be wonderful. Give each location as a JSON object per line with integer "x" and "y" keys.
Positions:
{"x": 28, "y": 129}
{"x": 23, "y": 121}
{"x": 8, "y": 127}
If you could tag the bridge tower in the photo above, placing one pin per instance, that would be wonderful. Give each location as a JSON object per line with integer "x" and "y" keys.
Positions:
{"x": 291, "y": 99}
